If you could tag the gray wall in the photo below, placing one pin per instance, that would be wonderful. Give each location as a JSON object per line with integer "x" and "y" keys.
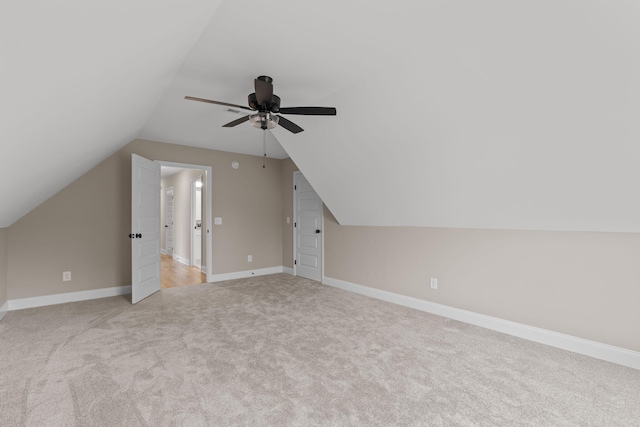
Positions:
{"x": 84, "y": 228}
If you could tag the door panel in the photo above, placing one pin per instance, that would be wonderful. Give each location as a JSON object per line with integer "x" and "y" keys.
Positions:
{"x": 308, "y": 261}
{"x": 308, "y": 215}
{"x": 145, "y": 223}
{"x": 308, "y": 242}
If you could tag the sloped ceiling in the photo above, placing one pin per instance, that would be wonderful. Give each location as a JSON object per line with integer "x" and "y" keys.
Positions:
{"x": 78, "y": 81}
{"x": 492, "y": 114}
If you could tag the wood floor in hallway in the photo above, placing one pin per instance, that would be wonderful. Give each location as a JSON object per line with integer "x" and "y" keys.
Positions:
{"x": 176, "y": 274}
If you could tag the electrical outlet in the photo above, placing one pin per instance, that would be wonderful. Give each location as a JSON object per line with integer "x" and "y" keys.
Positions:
{"x": 249, "y": 258}
{"x": 66, "y": 276}
{"x": 434, "y": 283}
{"x": 288, "y": 220}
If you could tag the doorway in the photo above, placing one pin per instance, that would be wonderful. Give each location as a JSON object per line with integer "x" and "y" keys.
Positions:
{"x": 147, "y": 216}
{"x": 185, "y": 208}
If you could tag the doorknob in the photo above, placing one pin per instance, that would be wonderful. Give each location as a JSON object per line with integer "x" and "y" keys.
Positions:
{"x": 317, "y": 231}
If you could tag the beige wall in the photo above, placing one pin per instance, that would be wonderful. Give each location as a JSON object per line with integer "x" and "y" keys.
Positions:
{"x": 585, "y": 284}
{"x": 3, "y": 266}
{"x": 84, "y": 228}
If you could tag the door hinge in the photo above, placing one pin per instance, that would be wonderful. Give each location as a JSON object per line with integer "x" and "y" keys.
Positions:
{"x": 295, "y": 224}
{"x": 295, "y": 187}
{"x": 295, "y": 262}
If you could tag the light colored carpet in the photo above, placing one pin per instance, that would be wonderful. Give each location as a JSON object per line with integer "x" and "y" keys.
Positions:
{"x": 280, "y": 350}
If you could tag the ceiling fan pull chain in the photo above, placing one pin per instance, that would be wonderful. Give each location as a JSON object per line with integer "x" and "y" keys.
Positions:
{"x": 264, "y": 147}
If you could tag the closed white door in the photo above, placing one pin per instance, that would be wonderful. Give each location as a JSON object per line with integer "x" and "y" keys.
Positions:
{"x": 145, "y": 224}
{"x": 307, "y": 229}
{"x": 168, "y": 226}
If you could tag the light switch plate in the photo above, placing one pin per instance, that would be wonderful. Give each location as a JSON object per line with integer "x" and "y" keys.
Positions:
{"x": 217, "y": 220}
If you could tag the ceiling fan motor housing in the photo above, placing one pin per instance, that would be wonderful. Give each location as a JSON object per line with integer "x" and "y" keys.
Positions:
{"x": 273, "y": 106}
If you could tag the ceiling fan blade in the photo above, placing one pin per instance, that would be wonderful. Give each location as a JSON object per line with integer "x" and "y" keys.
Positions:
{"x": 191, "y": 98}
{"x": 264, "y": 91}
{"x": 289, "y": 125}
{"x": 236, "y": 122}
{"x": 309, "y": 111}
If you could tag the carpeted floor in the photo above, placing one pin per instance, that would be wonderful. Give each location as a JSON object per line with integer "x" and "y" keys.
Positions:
{"x": 280, "y": 350}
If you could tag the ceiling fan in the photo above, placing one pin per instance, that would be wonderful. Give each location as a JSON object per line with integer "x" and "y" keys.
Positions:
{"x": 265, "y": 106}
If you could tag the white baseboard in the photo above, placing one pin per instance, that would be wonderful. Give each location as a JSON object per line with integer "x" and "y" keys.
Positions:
{"x": 595, "y": 349}
{"x": 3, "y": 309}
{"x": 287, "y": 270}
{"x": 246, "y": 273}
{"x": 22, "y": 303}
{"x": 182, "y": 259}
{"x": 163, "y": 251}
{"x": 203, "y": 268}
{"x": 40, "y": 301}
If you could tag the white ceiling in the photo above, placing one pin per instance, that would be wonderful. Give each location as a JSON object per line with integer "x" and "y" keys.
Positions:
{"x": 78, "y": 80}
{"x": 492, "y": 114}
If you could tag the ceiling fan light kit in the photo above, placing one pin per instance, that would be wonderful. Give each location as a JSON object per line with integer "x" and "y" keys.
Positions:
{"x": 265, "y": 105}
{"x": 264, "y": 120}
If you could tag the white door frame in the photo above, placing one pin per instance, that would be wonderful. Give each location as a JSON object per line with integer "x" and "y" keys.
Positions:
{"x": 295, "y": 230}
{"x": 209, "y": 209}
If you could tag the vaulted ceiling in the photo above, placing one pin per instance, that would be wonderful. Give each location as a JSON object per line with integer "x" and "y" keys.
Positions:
{"x": 492, "y": 114}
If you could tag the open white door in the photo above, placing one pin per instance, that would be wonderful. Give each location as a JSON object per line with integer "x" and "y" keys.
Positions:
{"x": 145, "y": 225}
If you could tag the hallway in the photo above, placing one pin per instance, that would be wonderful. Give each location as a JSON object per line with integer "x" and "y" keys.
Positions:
{"x": 175, "y": 274}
